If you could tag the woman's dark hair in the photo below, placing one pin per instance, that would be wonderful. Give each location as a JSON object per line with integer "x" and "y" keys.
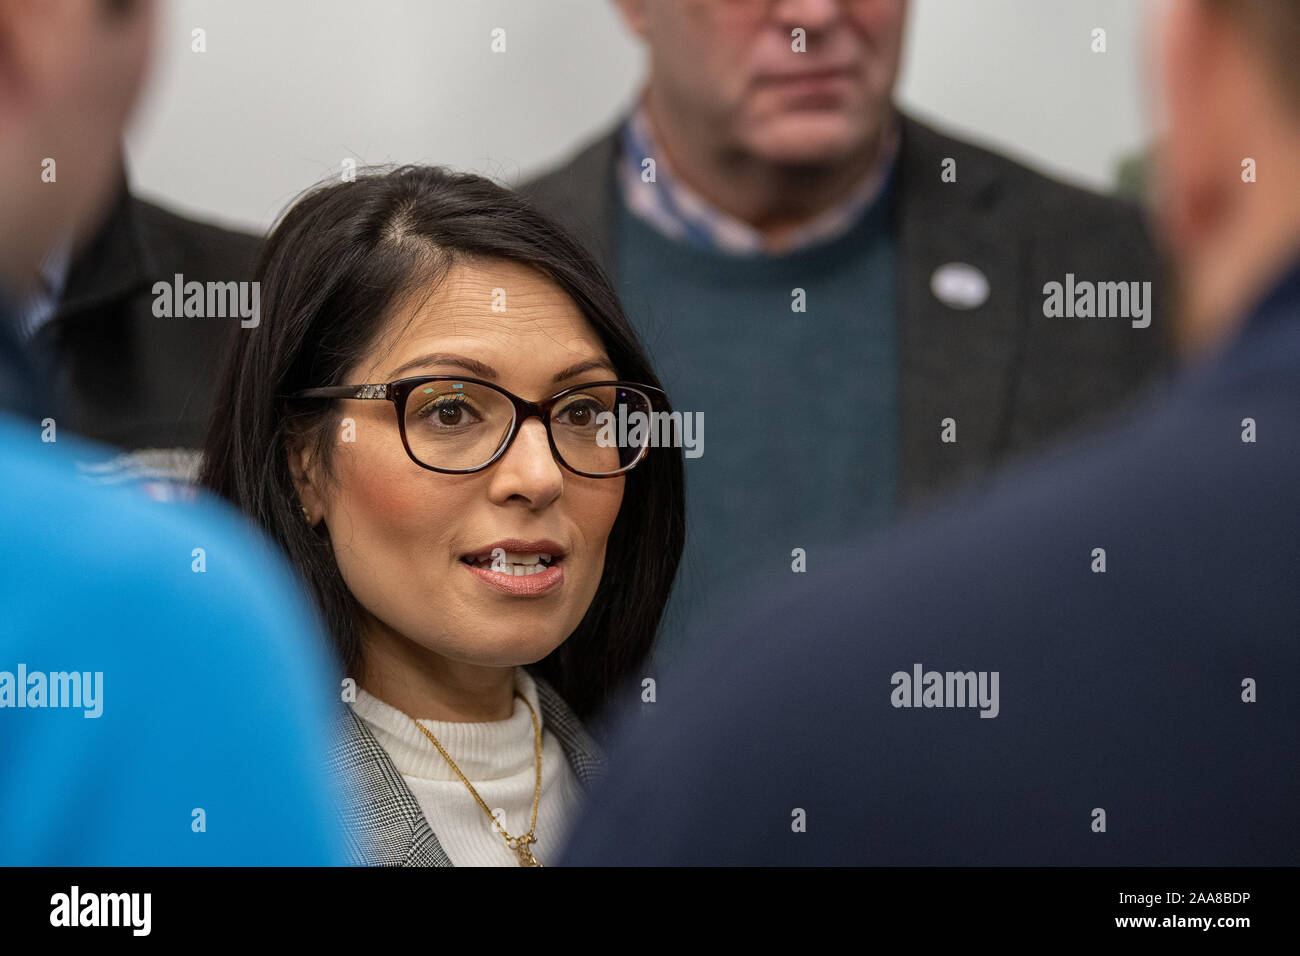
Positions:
{"x": 336, "y": 265}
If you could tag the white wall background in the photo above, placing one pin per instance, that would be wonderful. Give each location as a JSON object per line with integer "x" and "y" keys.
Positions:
{"x": 288, "y": 88}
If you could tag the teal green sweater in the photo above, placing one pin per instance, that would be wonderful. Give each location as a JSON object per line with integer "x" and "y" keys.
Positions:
{"x": 800, "y": 408}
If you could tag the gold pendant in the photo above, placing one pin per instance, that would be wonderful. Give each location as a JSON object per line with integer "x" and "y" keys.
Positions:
{"x": 520, "y": 846}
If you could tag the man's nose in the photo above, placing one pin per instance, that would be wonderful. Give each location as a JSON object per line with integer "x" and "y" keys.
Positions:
{"x": 812, "y": 15}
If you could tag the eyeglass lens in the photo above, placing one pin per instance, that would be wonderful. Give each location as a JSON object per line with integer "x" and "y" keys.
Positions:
{"x": 462, "y": 425}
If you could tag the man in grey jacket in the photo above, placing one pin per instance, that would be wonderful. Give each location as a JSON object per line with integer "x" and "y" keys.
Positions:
{"x": 862, "y": 309}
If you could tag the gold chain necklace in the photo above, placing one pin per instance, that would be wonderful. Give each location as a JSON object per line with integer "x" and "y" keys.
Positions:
{"x": 518, "y": 844}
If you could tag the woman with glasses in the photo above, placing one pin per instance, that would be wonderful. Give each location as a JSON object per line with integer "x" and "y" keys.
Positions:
{"x": 422, "y": 420}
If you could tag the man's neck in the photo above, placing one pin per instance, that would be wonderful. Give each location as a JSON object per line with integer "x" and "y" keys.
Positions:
{"x": 1227, "y": 280}
{"x": 775, "y": 199}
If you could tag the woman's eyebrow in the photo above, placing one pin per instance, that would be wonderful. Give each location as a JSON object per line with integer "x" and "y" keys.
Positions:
{"x": 473, "y": 366}
{"x": 581, "y": 367}
{"x": 482, "y": 370}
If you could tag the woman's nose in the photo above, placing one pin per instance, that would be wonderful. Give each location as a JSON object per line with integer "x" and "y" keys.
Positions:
{"x": 528, "y": 470}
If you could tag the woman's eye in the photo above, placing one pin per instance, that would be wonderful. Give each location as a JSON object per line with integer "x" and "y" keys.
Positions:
{"x": 580, "y": 413}
{"x": 449, "y": 411}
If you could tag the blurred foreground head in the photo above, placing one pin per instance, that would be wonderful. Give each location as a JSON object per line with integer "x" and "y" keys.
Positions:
{"x": 69, "y": 74}
{"x": 1228, "y": 184}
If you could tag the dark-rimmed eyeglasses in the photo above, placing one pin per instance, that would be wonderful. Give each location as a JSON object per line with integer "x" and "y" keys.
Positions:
{"x": 458, "y": 426}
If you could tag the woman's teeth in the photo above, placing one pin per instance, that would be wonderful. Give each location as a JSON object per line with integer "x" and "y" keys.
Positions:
{"x": 517, "y": 565}
{"x": 522, "y": 569}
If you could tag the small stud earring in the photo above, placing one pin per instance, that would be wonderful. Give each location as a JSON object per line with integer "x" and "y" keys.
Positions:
{"x": 306, "y": 514}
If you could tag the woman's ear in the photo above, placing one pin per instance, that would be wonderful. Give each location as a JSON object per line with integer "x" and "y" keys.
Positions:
{"x": 306, "y": 475}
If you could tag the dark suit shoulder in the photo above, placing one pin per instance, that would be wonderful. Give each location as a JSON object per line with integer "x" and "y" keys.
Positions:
{"x": 161, "y": 369}
{"x": 590, "y": 162}
{"x": 1015, "y": 181}
{"x": 580, "y": 195}
{"x": 203, "y": 248}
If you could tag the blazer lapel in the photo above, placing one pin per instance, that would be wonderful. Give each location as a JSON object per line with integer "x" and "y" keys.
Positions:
{"x": 115, "y": 262}
{"x": 383, "y": 821}
{"x": 580, "y": 747}
{"x": 956, "y": 363}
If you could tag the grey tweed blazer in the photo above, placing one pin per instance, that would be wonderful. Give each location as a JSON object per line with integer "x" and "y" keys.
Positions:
{"x": 383, "y": 823}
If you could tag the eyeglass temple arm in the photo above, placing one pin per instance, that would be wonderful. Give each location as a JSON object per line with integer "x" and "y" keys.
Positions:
{"x": 344, "y": 391}
{"x": 657, "y": 395}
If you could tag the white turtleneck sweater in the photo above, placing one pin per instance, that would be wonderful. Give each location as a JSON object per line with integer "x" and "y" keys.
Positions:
{"x": 499, "y": 759}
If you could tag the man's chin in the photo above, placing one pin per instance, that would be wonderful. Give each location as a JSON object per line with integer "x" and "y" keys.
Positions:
{"x": 806, "y": 142}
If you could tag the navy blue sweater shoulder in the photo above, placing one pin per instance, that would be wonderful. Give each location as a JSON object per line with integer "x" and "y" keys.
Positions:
{"x": 1147, "y": 713}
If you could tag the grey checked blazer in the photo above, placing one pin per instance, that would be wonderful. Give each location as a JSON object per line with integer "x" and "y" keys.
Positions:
{"x": 384, "y": 825}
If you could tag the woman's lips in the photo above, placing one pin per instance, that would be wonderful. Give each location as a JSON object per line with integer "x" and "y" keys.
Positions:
{"x": 520, "y": 585}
